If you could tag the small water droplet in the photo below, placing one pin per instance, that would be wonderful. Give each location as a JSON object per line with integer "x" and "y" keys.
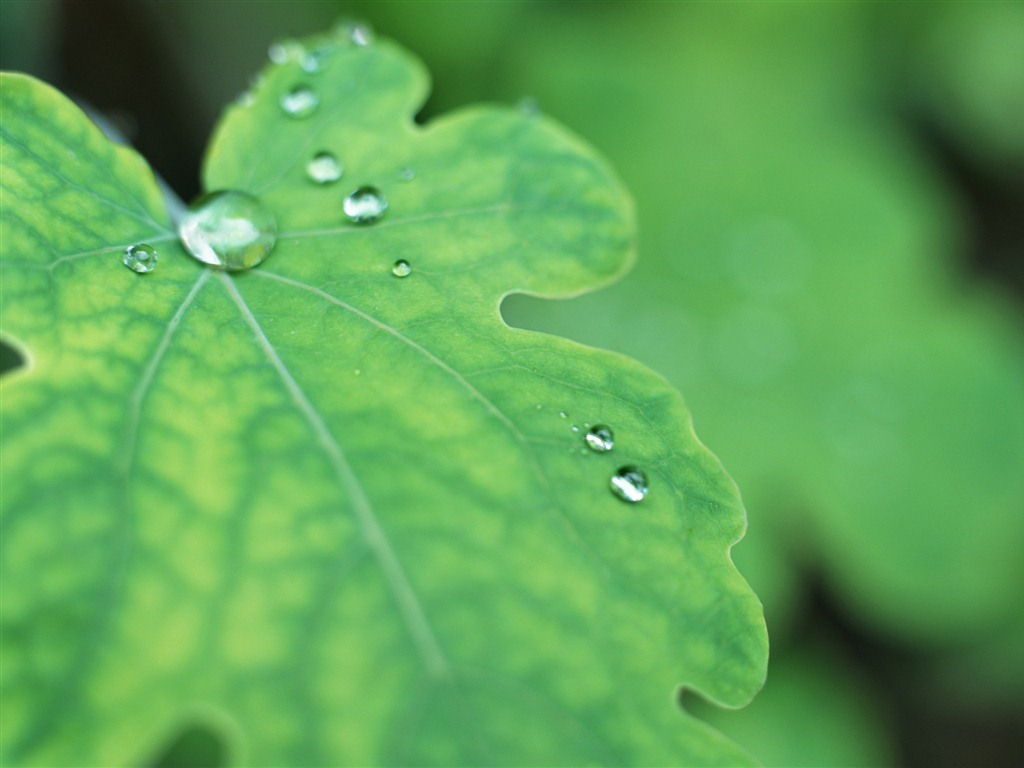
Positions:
{"x": 407, "y": 174}
{"x": 357, "y": 372}
{"x": 300, "y": 102}
{"x": 324, "y": 168}
{"x": 540, "y": 406}
{"x": 629, "y": 483}
{"x": 401, "y": 268}
{"x": 528, "y": 106}
{"x": 575, "y": 428}
{"x": 563, "y": 415}
{"x": 228, "y": 229}
{"x": 313, "y": 61}
{"x": 599, "y": 438}
{"x": 140, "y": 258}
{"x": 365, "y": 205}
{"x": 359, "y": 33}
{"x": 283, "y": 51}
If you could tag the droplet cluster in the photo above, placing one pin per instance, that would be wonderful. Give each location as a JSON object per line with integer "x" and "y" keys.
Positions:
{"x": 233, "y": 230}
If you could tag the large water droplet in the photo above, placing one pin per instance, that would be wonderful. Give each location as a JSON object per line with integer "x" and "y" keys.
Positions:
{"x": 402, "y": 268}
{"x": 629, "y": 483}
{"x": 140, "y": 258}
{"x": 300, "y": 102}
{"x": 600, "y": 438}
{"x": 228, "y": 229}
{"x": 365, "y": 205}
{"x": 324, "y": 168}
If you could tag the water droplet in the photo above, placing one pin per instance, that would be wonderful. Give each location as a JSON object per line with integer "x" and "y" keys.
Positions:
{"x": 357, "y": 372}
{"x": 402, "y": 268}
{"x": 599, "y": 438}
{"x": 359, "y": 33}
{"x": 528, "y": 106}
{"x": 407, "y": 174}
{"x": 283, "y": 51}
{"x": 540, "y": 406}
{"x": 300, "y": 102}
{"x": 563, "y": 415}
{"x": 140, "y": 258}
{"x": 365, "y": 205}
{"x": 313, "y": 61}
{"x": 629, "y": 483}
{"x": 324, "y": 168}
{"x": 575, "y": 428}
{"x": 228, "y": 229}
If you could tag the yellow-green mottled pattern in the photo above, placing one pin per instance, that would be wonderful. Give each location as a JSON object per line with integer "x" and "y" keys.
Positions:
{"x": 337, "y": 516}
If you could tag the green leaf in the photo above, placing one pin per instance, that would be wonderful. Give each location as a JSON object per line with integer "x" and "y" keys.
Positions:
{"x": 331, "y": 515}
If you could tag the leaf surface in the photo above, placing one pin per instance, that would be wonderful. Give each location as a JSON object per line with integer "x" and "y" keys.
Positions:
{"x": 334, "y": 515}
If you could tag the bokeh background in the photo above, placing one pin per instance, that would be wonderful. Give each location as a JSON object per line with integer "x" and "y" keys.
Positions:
{"x": 831, "y": 269}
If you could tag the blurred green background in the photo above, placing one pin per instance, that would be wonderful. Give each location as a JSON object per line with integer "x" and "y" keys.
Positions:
{"x": 831, "y": 207}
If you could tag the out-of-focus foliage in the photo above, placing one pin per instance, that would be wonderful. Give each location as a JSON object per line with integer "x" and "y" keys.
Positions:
{"x": 798, "y": 266}
{"x": 802, "y": 278}
{"x": 832, "y": 729}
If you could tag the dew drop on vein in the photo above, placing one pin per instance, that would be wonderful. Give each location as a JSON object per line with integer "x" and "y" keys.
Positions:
{"x": 300, "y": 102}
{"x": 401, "y": 268}
{"x": 228, "y": 229}
{"x": 324, "y": 168}
{"x": 365, "y": 205}
{"x": 600, "y": 438}
{"x": 629, "y": 483}
{"x": 140, "y": 258}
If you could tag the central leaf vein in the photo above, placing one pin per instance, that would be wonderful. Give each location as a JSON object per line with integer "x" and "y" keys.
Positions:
{"x": 405, "y": 596}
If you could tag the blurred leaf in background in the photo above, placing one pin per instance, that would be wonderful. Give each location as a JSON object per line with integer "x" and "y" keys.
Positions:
{"x": 830, "y": 269}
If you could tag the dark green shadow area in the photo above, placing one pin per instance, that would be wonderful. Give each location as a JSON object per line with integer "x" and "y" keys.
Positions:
{"x": 195, "y": 746}
{"x": 10, "y": 358}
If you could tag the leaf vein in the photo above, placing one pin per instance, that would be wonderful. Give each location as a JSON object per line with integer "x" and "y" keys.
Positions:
{"x": 405, "y": 596}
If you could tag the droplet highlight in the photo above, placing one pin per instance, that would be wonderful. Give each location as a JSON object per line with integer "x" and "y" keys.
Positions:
{"x": 300, "y": 102}
{"x": 140, "y": 258}
{"x": 228, "y": 229}
{"x": 324, "y": 168}
{"x": 600, "y": 438}
{"x": 365, "y": 205}
{"x": 629, "y": 483}
{"x": 401, "y": 268}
